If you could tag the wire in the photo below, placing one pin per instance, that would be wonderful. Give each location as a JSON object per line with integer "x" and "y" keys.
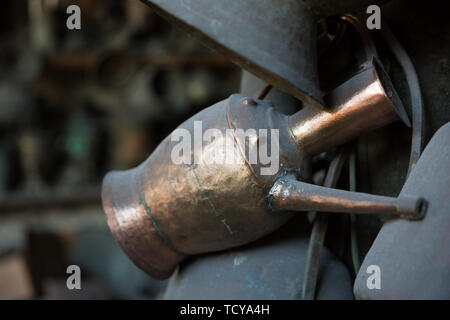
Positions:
{"x": 417, "y": 108}
{"x": 318, "y": 233}
{"x": 353, "y": 234}
{"x": 263, "y": 92}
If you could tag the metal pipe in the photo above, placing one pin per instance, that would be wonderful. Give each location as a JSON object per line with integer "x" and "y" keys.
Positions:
{"x": 365, "y": 102}
{"x": 288, "y": 193}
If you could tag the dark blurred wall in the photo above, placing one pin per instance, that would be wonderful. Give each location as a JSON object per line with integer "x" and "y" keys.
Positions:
{"x": 75, "y": 104}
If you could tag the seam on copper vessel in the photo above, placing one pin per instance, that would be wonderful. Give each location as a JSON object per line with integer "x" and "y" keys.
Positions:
{"x": 151, "y": 217}
{"x": 230, "y": 125}
{"x": 204, "y": 192}
{"x": 292, "y": 136}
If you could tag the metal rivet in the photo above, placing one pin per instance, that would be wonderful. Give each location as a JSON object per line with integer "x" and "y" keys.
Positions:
{"x": 249, "y": 102}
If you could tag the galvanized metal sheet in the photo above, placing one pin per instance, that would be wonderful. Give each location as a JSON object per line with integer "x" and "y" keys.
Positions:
{"x": 413, "y": 256}
{"x": 275, "y": 40}
{"x": 271, "y": 268}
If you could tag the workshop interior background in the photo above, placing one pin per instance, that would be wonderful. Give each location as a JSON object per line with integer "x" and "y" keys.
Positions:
{"x": 74, "y": 105}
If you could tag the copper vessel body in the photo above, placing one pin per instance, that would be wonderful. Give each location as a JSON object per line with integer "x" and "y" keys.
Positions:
{"x": 160, "y": 211}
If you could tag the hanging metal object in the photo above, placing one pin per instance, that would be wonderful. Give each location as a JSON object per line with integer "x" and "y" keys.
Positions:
{"x": 160, "y": 212}
{"x": 275, "y": 40}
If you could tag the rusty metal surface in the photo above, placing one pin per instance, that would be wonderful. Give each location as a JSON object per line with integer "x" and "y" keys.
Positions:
{"x": 245, "y": 31}
{"x": 413, "y": 256}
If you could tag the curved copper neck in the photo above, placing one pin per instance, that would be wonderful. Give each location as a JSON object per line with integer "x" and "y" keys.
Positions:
{"x": 365, "y": 102}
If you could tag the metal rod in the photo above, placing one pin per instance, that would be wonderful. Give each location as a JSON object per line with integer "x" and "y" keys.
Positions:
{"x": 263, "y": 92}
{"x": 290, "y": 194}
{"x": 318, "y": 234}
{"x": 353, "y": 232}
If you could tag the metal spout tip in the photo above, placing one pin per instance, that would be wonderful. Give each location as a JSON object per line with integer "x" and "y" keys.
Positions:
{"x": 132, "y": 228}
{"x": 412, "y": 208}
{"x": 391, "y": 93}
{"x": 287, "y": 193}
